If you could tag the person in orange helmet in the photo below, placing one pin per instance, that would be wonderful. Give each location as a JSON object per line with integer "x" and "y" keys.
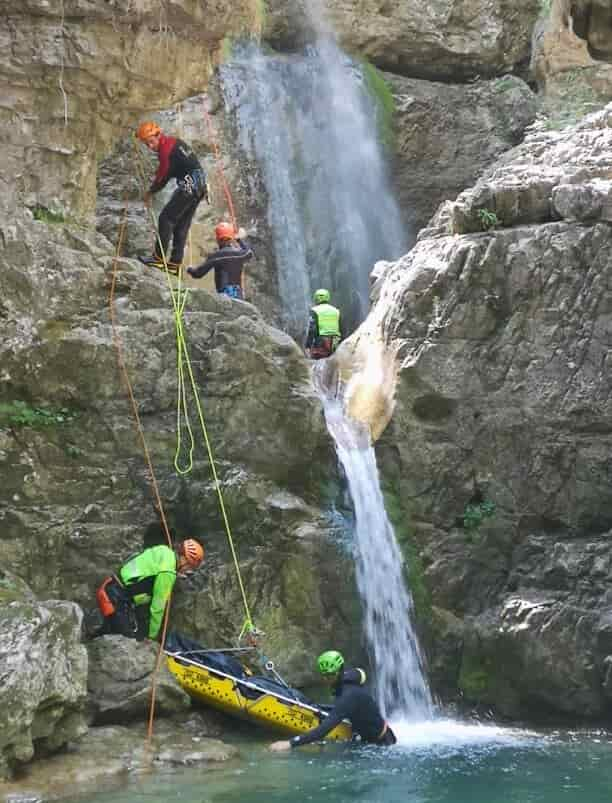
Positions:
{"x": 227, "y": 261}
{"x": 133, "y": 601}
{"x": 176, "y": 160}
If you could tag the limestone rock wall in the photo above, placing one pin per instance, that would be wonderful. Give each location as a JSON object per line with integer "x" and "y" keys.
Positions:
{"x": 43, "y": 667}
{"x": 77, "y": 502}
{"x": 439, "y": 40}
{"x": 446, "y": 135}
{"x": 496, "y": 460}
{"x": 79, "y": 73}
{"x": 570, "y": 59}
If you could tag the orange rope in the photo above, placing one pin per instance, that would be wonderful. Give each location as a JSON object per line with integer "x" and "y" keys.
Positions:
{"x": 217, "y": 152}
{"x": 224, "y": 183}
{"x": 149, "y": 462}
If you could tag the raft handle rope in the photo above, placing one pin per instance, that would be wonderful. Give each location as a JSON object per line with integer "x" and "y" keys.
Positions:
{"x": 249, "y": 684}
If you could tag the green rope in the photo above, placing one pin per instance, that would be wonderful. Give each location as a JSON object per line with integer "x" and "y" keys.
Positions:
{"x": 179, "y": 298}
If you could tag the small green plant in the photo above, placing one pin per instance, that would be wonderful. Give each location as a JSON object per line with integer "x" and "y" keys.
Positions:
{"x": 475, "y": 514}
{"x": 19, "y": 414}
{"x": 48, "y": 215}
{"x": 73, "y": 451}
{"x": 382, "y": 95}
{"x": 488, "y": 219}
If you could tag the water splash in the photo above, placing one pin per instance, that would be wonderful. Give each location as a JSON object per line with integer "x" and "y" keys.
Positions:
{"x": 310, "y": 124}
{"x": 401, "y": 687}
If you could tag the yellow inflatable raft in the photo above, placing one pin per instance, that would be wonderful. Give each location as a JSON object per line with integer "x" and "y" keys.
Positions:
{"x": 257, "y": 700}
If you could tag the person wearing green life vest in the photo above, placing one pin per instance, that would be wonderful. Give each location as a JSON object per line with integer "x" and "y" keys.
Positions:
{"x": 324, "y": 330}
{"x": 133, "y": 601}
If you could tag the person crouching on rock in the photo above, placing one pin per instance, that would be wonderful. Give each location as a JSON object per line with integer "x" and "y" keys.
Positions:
{"x": 178, "y": 161}
{"x": 324, "y": 328}
{"x": 353, "y": 702}
{"x": 227, "y": 261}
{"x": 133, "y": 601}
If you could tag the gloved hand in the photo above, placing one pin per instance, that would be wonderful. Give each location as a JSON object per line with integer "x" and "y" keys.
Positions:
{"x": 241, "y": 233}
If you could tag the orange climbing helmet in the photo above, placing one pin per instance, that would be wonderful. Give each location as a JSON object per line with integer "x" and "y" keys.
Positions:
{"x": 193, "y": 552}
{"x": 146, "y": 130}
{"x": 224, "y": 231}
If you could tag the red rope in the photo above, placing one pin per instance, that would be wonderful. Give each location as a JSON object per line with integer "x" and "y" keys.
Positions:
{"x": 151, "y": 472}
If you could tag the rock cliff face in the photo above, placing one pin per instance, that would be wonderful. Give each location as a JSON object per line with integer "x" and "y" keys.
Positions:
{"x": 447, "y": 134}
{"x": 440, "y": 40}
{"x": 496, "y": 461}
{"x": 78, "y": 72}
{"x": 570, "y": 58}
{"x": 76, "y": 501}
{"x": 43, "y": 667}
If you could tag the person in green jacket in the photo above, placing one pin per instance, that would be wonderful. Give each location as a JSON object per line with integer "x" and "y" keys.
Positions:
{"x": 133, "y": 601}
{"x": 324, "y": 330}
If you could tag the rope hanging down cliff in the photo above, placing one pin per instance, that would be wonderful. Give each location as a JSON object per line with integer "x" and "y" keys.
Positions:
{"x": 151, "y": 472}
{"x": 178, "y": 298}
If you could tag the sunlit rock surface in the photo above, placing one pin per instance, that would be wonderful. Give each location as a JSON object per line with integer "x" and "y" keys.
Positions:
{"x": 496, "y": 460}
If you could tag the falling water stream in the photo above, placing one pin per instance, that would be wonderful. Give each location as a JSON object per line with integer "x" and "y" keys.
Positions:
{"x": 310, "y": 124}
{"x": 401, "y": 686}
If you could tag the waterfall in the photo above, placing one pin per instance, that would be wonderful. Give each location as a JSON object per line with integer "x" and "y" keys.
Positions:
{"x": 401, "y": 687}
{"x": 310, "y": 124}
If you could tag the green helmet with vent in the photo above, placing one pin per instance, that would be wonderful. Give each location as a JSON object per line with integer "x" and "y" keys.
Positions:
{"x": 330, "y": 662}
{"x": 322, "y": 296}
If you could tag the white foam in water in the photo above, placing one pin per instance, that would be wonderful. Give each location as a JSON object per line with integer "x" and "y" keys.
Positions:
{"x": 450, "y": 733}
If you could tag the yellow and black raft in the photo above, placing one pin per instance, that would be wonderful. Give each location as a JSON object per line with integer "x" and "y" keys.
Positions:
{"x": 220, "y": 681}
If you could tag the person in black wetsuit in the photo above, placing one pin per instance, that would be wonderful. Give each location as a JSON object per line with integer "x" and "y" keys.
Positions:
{"x": 353, "y": 702}
{"x": 178, "y": 161}
{"x": 227, "y": 261}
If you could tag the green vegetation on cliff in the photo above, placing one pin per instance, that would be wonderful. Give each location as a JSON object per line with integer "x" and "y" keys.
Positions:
{"x": 413, "y": 566}
{"x": 381, "y": 93}
{"x": 19, "y": 414}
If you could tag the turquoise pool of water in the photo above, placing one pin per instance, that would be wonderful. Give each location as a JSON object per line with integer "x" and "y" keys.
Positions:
{"x": 434, "y": 762}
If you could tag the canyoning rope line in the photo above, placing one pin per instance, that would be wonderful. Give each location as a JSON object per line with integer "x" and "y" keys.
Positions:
{"x": 219, "y": 165}
{"x": 126, "y": 378}
{"x": 178, "y": 296}
{"x": 223, "y": 180}
{"x": 151, "y": 472}
{"x": 184, "y": 363}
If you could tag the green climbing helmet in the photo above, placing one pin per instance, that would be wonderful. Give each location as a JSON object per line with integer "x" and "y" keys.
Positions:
{"x": 322, "y": 296}
{"x": 330, "y": 662}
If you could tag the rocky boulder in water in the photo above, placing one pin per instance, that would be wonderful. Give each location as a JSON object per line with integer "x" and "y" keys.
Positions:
{"x": 120, "y": 679}
{"x": 43, "y": 667}
{"x": 103, "y": 758}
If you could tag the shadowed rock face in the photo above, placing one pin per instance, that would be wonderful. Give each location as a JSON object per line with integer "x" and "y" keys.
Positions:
{"x": 120, "y": 679}
{"x": 592, "y": 21}
{"x": 439, "y": 40}
{"x": 571, "y": 52}
{"x": 503, "y": 400}
{"x": 446, "y": 135}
